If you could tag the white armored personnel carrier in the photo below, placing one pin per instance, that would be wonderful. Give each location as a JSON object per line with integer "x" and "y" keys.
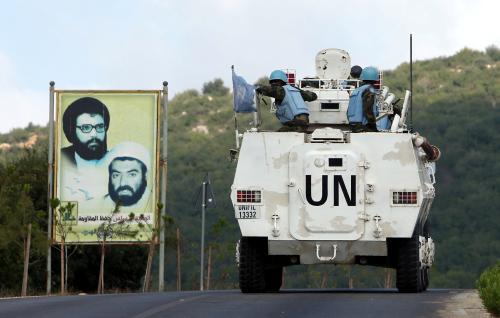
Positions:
{"x": 332, "y": 196}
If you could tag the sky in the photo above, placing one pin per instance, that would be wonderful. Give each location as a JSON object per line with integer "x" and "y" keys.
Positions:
{"x": 126, "y": 44}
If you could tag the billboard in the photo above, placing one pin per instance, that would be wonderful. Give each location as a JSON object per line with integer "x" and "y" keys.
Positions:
{"x": 106, "y": 166}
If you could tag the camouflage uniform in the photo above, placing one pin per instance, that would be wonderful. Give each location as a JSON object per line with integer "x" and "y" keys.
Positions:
{"x": 368, "y": 100}
{"x": 300, "y": 122}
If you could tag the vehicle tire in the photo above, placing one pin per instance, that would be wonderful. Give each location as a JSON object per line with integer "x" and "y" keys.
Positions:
{"x": 252, "y": 265}
{"x": 409, "y": 276}
{"x": 425, "y": 270}
{"x": 274, "y": 278}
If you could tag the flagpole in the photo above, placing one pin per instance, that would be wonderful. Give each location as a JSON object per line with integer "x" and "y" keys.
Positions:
{"x": 256, "y": 122}
{"x": 203, "y": 207}
{"x": 236, "y": 133}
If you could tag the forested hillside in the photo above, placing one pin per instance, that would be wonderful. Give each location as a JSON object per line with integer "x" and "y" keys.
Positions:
{"x": 455, "y": 106}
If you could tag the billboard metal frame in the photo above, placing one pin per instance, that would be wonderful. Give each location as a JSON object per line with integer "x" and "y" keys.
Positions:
{"x": 160, "y": 172}
{"x": 157, "y": 163}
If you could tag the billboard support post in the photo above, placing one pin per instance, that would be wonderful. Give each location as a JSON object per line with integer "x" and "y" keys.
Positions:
{"x": 163, "y": 189}
{"x": 50, "y": 185}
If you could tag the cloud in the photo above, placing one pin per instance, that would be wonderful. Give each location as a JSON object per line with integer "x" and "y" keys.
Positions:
{"x": 258, "y": 36}
{"x": 139, "y": 44}
{"x": 19, "y": 106}
{"x": 477, "y": 23}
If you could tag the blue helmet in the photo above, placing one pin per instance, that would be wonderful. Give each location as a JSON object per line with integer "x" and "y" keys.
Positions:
{"x": 278, "y": 75}
{"x": 369, "y": 73}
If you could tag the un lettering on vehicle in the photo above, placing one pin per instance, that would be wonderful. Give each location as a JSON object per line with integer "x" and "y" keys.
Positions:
{"x": 247, "y": 211}
{"x": 341, "y": 190}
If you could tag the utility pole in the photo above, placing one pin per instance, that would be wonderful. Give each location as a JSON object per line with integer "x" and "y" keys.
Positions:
{"x": 178, "y": 235}
{"x": 209, "y": 266}
{"x": 207, "y": 200}
{"x": 203, "y": 208}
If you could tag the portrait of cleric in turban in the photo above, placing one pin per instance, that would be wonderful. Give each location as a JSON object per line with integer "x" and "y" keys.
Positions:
{"x": 128, "y": 169}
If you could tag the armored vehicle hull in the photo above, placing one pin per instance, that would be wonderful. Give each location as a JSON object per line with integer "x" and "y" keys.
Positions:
{"x": 335, "y": 197}
{"x": 332, "y": 196}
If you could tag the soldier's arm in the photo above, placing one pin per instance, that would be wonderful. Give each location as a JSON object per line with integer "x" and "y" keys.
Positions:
{"x": 368, "y": 100}
{"x": 308, "y": 96}
{"x": 397, "y": 109}
{"x": 276, "y": 92}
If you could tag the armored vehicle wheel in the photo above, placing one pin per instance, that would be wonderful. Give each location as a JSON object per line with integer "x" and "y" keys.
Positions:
{"x": 425, "y": 270}
{"x": 255, "y": 273}
{"x": 252, "y": 265}
{"x": 274, "y": 277}
{"x": 425, "y": 278}
{"x": 409, "y": 273}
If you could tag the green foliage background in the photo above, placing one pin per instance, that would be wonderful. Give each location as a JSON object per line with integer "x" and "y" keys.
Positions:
{"x": 455, "y": 106}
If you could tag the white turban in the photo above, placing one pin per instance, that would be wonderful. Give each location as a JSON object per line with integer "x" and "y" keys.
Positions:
{"x": 131, "y": 150}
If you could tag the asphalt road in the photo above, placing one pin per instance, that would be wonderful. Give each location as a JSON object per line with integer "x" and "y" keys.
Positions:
{"x": 227, "y": 304}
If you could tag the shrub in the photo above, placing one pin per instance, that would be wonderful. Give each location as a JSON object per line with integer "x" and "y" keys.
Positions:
{"x": 489, "y": 288}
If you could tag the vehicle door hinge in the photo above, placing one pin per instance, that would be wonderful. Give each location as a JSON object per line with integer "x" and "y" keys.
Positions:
{"x": 364, "y": 216}
{"x": 365, "y": 164}
{"x": 301, "y": 195}
{"x": 370, "y": 187}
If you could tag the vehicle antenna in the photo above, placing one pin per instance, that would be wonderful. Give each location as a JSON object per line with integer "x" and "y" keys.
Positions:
{"x": 410, "y": 126}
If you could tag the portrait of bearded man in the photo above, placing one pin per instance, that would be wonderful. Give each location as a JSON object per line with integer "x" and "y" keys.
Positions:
{"x": 85, "y": 125}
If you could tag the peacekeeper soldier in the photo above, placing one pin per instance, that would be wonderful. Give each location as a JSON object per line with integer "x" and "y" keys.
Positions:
{"x": 355, "y": 72}
{"x": 292, "y": 111}
{"x": 362, "y": 111}
{"x": 353, "y": 76}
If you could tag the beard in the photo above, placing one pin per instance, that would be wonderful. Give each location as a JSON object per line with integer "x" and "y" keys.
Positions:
{"x": 92, "y": 149}
{"x": 127, "y": 199}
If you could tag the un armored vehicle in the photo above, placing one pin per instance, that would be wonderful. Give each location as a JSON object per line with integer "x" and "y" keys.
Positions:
{"x": 332, "y": 196}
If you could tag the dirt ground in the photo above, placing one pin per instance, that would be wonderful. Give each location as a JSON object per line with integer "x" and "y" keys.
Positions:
{"x": 465, "y": 303}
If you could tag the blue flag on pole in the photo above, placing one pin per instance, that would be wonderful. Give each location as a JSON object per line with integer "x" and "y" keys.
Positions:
{"x": 244, "y": 95}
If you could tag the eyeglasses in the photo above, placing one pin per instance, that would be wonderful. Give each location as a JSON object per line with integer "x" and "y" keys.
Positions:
{"x": 87, "y": 128}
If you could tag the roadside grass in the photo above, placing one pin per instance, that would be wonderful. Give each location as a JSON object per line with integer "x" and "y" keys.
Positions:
{"x": 489, "y": 288}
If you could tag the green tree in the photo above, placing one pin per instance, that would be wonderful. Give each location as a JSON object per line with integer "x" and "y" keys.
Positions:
{"x": 215, "y": 88}
{"x": 22, "y": 237}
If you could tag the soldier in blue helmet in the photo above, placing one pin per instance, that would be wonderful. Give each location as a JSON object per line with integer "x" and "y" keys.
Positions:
{"x": 292, "y": 110}
{"x": 353, "y": 77}
{"x": 362, "y": 111}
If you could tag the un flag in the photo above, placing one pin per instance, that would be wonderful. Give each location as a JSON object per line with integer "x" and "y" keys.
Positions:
{"x": 244, "y": 95}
